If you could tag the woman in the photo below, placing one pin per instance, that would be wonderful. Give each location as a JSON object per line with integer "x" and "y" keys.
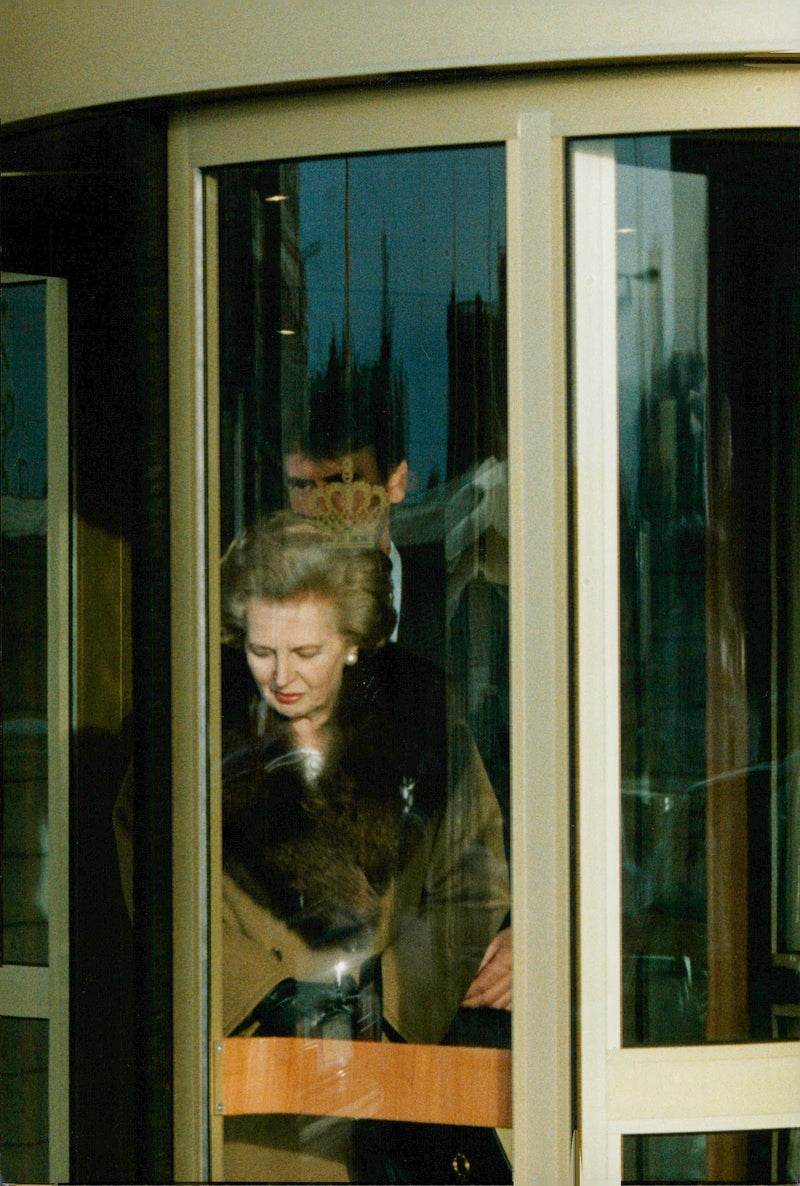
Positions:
{"x": 364, "y": 864}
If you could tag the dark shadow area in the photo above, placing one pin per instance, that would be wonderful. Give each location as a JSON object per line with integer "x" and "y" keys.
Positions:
{"x": 86, "y": 200}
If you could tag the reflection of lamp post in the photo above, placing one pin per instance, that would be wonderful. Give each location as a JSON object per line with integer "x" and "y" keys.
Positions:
{"x": 625, "y": 291}
{"x": 347, "y": 356}
{"x": 9, "y": 403}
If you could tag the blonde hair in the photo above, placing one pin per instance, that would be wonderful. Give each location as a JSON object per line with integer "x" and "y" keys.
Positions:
{"x": 286, "y": 556}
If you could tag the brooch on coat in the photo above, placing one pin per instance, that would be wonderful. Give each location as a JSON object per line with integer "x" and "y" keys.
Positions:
{"x": 407, "y": 795}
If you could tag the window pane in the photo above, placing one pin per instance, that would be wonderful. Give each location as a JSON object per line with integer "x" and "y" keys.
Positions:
{"x": 362, "y": 345}
{"x": 23, "y": 572}
{"x": 713, "y": 1157}
{"x": 23, "y": 1100}
{"x": 709, "y": 388}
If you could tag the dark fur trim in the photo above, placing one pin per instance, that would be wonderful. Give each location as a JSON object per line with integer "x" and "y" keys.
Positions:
{"x": 319, "y": 853}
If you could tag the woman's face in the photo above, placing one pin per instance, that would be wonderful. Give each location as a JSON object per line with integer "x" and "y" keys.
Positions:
{"x": 296, "y": 655}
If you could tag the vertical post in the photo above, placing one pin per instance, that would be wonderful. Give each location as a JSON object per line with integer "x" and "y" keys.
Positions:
{"x": 726, "y": 799}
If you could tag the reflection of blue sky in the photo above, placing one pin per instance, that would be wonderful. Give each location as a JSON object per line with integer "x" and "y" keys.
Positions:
{"x": 25, "y": 376}
{"x": 443, "y": 212}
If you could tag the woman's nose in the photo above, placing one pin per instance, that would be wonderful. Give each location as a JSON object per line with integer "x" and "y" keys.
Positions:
{"x": 283, "y": 672}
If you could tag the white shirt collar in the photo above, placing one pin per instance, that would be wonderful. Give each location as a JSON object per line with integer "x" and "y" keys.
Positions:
{"x": 397, "y": 585}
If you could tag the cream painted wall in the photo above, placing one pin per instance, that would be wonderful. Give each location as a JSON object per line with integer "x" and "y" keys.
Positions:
{"x": 61, "y": 55}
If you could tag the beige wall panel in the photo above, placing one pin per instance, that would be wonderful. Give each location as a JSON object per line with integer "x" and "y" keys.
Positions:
{"x": 755, "y": 1076}
{"x": 58, "y": 55}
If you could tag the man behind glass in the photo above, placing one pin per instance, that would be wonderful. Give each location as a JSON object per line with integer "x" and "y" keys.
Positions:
{"x": 328, "y": 450}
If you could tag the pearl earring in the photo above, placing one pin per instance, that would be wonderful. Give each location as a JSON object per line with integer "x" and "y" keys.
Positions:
{"x": 351, "y": 658}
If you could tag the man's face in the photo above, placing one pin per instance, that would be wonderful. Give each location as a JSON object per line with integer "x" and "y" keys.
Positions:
{"x": 306, "y": 474}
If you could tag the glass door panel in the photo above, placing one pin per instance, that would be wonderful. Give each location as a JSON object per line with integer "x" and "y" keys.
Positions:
{"x": 698, "y": 243}
{"x": 709, "y": 383}
{"x": 34, "y": 706}
{"x": 361, "y": 350}
{"x": 25, "y": 904}
{"x": 204, "y": 143}
{"x": 769, "y": 1156}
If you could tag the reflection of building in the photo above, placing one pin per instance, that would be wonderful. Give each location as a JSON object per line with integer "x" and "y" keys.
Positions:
{"x": 477, "y": 530}
{"x": 263, "y": 329}
{"x": 292, "y": 311}
{"x": 477, "y": 370}
{"x": 353, "y": 400}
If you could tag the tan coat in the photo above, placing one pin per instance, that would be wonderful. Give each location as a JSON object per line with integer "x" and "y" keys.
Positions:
{"x": 438, "y": 917}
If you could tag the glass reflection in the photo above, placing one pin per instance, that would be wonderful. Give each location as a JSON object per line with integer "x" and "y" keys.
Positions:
{"x": 24, "y": 1099}
{"x": 697, "y": 1157}
{"x": 709, "y": 385}
{"x": 23, "y": 672}
{"x": 362, "y": 329}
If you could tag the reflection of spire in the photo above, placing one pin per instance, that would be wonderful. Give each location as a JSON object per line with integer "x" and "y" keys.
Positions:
{"x": 476, "y": 335}
{"x": 385, "y": 328}
{"x": 384, "y": 363}
{"x": 360, "y": 397}
{"x": 658, "y": 343}
{"x": 387, "y": 384}
{"x": 347, "y": 354}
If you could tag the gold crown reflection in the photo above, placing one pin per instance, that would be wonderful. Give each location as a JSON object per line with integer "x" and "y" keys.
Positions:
{"x": 352, "y": 511}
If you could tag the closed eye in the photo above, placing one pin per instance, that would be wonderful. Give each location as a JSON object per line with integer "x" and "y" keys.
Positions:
{"x": 308, "y": 652}
{"x": 259, "y": 652}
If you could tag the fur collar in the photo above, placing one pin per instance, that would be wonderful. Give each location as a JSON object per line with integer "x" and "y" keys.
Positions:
{"x": 319, "y": 852}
